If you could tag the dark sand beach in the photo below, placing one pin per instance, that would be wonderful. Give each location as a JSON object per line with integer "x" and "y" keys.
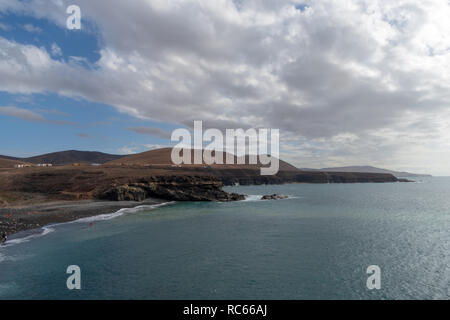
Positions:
{"x": 21, "y": 218}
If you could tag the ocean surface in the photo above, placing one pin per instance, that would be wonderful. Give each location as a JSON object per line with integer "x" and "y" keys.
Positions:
{"x": 315, "y": 245}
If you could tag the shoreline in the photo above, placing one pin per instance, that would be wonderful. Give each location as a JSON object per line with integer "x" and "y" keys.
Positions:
{"x": 28, "y": 216}
{"x": 14, "y": 220}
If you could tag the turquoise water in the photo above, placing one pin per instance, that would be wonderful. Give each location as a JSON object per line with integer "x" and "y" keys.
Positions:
{"x": 315, "y": 245}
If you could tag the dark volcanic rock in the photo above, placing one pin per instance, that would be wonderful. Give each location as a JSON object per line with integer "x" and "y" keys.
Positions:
{"x": 32, "y": 186}
{"x": 252, "y": 177}
{"x": 141, "y": 182}
{"x": 274, "y": 197}
{"x": 171, "y": 188}
{"x": 124, "y": 193}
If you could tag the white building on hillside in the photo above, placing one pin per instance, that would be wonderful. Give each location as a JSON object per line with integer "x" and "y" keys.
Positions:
{"x": 22, "y": 165}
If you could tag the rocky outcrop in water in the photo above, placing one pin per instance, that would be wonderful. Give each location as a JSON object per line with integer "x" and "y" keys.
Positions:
{"x": 175, "y": 189}
{"x": 274, "y": 197}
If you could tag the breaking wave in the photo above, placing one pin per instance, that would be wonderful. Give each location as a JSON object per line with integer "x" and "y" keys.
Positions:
{"x": 50, "y": 228}
{"x": 44, "y": 231}
{"x": 121, "y": 212}
{"x": 258, "y": 197}
{"x": 253, "y": 197}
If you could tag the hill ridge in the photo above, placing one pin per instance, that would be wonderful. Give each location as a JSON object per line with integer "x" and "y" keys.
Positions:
{"x": 162, "y": 156}
{"x": 368, "y": 169}
{"x": 62, "y": 158}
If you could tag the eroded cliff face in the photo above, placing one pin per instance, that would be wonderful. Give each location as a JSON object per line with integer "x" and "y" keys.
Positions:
{"x": 248, "y": 177}
{"x": 136, "y": 183}
{"x": 170, "y": 188}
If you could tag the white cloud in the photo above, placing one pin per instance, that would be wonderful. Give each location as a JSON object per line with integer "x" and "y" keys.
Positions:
{"x": 20, "y": 113}
{"x": 31, "y": 116}
{"x": 152, "y": 131}
{"x": 358, "y": 81}
{"x": 31, "y": 28}
{"x": 155, "y": 146}
{"x": 129, "y": 150}
{"x": 56, "y": 50}
{"x": 4, "y": 27}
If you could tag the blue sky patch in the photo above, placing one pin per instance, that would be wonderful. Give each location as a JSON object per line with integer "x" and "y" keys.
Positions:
{"x": 43, "y": 33}
{"x": 63, "y": 123}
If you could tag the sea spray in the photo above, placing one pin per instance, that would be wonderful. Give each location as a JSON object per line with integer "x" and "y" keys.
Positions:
{"x": 121, "y": 212}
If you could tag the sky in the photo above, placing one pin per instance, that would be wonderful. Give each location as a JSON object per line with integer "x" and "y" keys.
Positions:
{"x": 354, "y": 82}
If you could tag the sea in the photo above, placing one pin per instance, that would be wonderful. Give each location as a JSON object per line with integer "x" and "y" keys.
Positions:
{"x": 320, "y": 243}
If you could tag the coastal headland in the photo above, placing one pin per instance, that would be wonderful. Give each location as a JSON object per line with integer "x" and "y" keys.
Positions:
{"x": 32, "y": 197}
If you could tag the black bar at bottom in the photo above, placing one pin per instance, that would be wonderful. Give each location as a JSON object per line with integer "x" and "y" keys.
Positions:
{"x": 245, "y": 309}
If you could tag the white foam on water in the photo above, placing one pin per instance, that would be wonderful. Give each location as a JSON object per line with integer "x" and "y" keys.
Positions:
{"x": 258, "y": 197}
{"x": 121, "y": 212}
{"x": 45, "y": 230}
{"x": 253, "y": 197}
{"x": 13, "y": 242}
{"x": 101, "y": 217}
{"x": 50, "y": 228}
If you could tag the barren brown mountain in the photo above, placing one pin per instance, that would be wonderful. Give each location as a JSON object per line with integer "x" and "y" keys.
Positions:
{"x": 72, "y": 156}
{"x": 65, "y": 158}
{"x": 163, "y": 157}
{"x": 9, "y": 163}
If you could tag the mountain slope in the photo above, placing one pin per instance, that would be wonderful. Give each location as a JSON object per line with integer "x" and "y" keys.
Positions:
{"x": 163, "y": 157}
{"x": 73, "y": 156}
{"x": 9, "y": 163}
{"x": 9, "y": 158}
{"x": 65, "y": 157}
{"x": 369, "y": 169}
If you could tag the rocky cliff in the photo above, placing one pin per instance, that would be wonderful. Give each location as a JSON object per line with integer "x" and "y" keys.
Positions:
{"x": 231, "y": 177}
{"x": 170, "y": 188}
{"x": 141, "y": 182}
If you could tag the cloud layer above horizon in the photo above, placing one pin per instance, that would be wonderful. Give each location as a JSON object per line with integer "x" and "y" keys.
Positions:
{"x": 346, "y": 82}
